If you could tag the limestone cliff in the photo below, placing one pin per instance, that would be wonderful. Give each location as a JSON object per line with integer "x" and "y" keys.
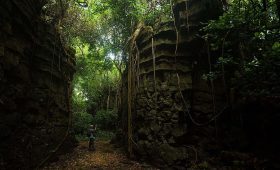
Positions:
{"x": 175, "y": 118}
{"x": 170, "y": 101}
{"x": 35, "y": 78}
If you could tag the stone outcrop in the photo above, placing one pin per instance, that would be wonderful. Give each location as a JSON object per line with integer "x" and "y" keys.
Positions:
{"x": 174, "y": 117}
{"x": 35, "y": 77}
{"x": 173, "y": 108}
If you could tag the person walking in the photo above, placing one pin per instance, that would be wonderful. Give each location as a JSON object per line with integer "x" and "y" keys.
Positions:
{"x": 91, "y": 135}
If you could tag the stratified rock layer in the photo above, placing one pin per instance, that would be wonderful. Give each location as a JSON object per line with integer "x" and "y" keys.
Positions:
{"x": 35, "y": 77}
{"x": 171, "y": 100}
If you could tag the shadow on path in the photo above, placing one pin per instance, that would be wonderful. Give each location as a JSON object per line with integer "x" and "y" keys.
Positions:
{"x": 105, "y": 157}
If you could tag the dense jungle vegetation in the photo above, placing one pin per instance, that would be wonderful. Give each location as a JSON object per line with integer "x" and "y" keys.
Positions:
{"x": 245, "y": 39}
{"x": 99, "y": 32}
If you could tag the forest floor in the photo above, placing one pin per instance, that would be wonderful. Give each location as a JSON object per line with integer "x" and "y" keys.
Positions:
{"x": 106, "y": 156}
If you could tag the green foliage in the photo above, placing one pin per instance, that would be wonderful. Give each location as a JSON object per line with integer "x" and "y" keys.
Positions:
{"x": 104, "y": 135}
{"x": 152, "y": 11}
{"x": 106, "y": 119}
{"x": 247, "y": 39}
{"x": 99, "y": 32}
{"x": 81, "y": 122}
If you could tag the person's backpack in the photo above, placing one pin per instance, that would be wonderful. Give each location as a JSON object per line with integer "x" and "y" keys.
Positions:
{"x": 91, "y": 136}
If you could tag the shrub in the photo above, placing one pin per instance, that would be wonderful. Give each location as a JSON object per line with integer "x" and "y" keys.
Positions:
{"x": 106, "y": 120}
{"x": 81, "y": 122}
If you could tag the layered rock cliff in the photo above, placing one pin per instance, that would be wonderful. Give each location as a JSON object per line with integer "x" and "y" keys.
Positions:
{"x": 35, "y": 86}
{"x": 172, "y": 106}
{"x": 175, "y": 115}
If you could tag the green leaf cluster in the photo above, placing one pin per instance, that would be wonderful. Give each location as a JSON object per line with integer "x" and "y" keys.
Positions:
{"x": 245, "y": 43}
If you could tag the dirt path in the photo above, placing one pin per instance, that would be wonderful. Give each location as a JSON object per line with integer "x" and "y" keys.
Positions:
{"x": 105, "y": 157}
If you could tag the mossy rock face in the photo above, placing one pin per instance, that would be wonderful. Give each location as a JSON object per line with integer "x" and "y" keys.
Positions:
{"x": 141, "y": 102}
{"x": 5, "y": 131}
{"x": 171, "y": 154}
{"x": 155, "y": 127}
{"x": 2, "y": 50}
{"x": 178, "y": 131}
{"x": 35, "y": 72}
{"x": 144, "y": 131}
{"x": 166, "y": 91}
{"x": 168, "y": 153}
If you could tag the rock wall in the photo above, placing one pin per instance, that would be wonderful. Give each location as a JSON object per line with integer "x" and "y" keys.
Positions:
{"x": 177, "y": 118}
{"x": 35, "y": 77}
{"x": 173, "y": 108}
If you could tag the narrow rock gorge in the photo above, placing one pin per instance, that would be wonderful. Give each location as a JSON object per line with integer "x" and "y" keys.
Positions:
{"x": 193, "y": 84}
